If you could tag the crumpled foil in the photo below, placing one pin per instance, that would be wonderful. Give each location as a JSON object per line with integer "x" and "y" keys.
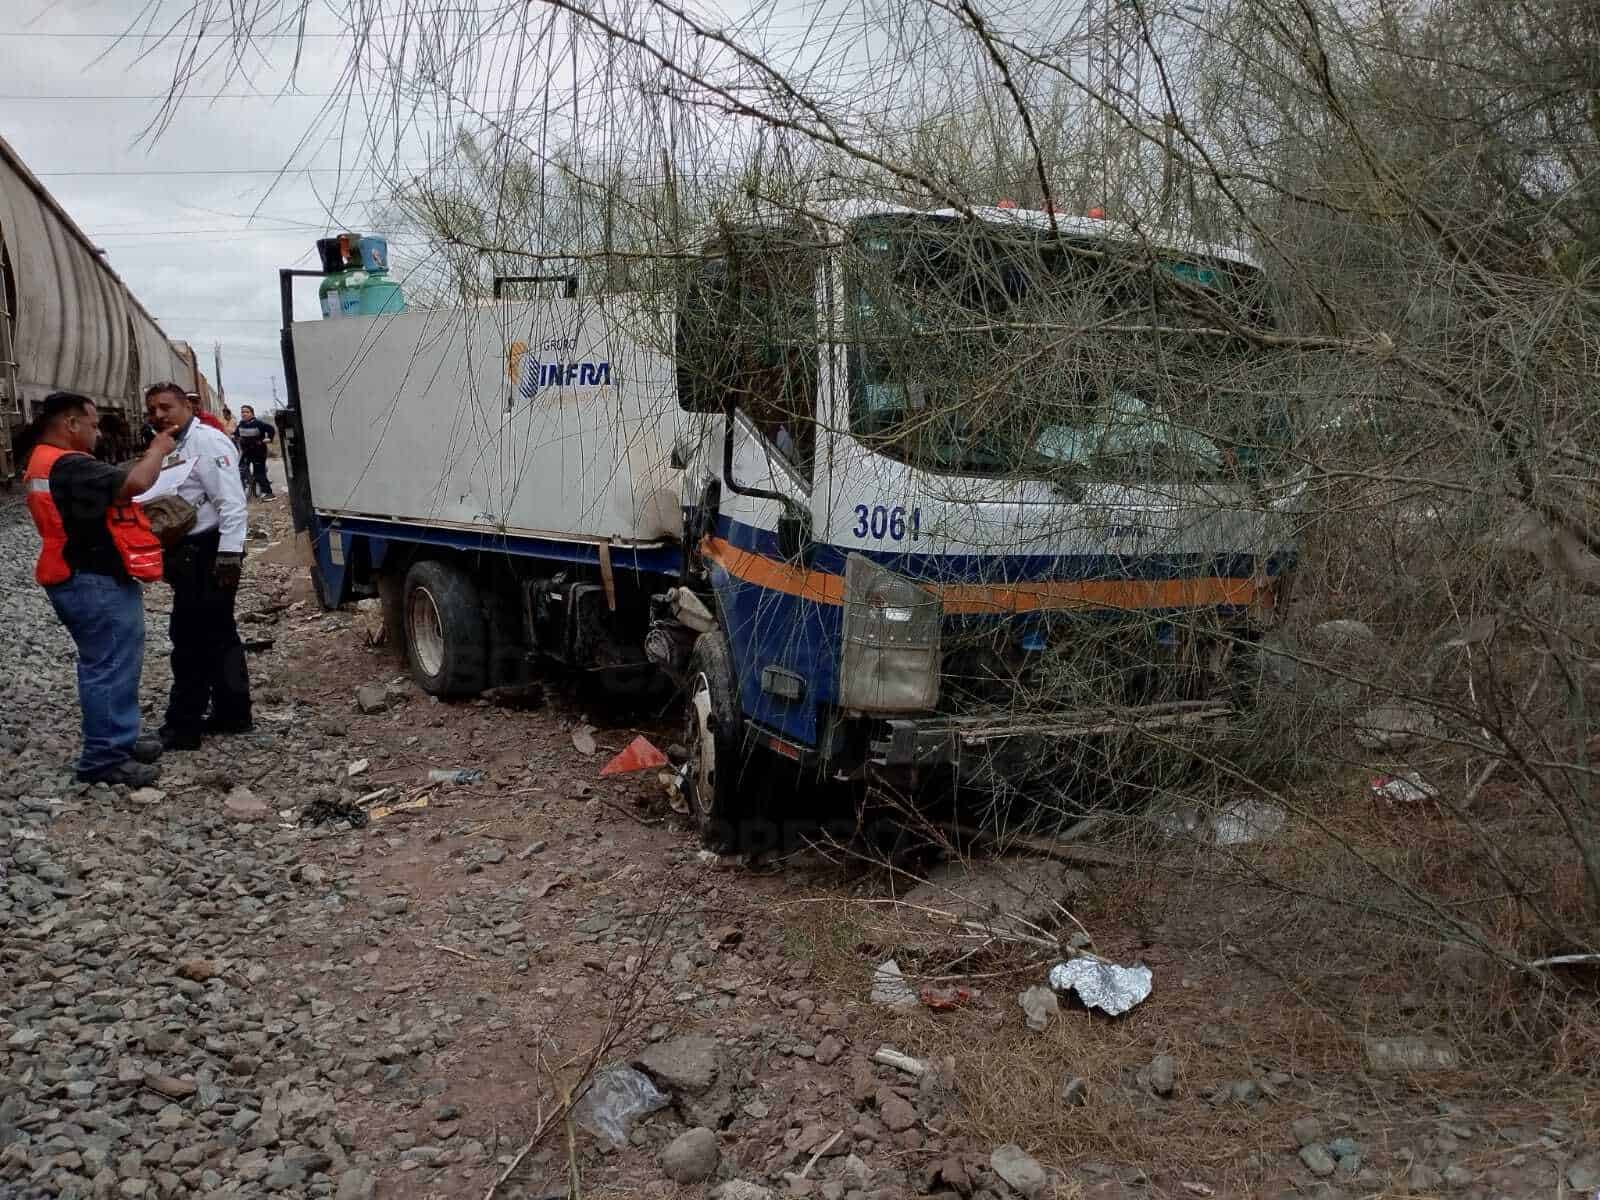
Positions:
{"x": 1102, "y": 985}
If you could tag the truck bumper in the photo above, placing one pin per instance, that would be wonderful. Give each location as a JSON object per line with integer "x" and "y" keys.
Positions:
{"x": 936, "y": 741}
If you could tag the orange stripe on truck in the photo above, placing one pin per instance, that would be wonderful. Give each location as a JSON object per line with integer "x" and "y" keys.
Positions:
{"x": 820, "y": 587}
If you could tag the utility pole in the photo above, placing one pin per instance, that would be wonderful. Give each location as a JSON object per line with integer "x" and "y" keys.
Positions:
{"x": 216, "y": 351}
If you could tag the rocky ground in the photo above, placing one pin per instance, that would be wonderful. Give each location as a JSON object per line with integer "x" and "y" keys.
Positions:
{"x": 206, "y": 993}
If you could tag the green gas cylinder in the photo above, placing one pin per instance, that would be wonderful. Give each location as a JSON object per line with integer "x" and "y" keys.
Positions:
{"x": 380, "y": 295}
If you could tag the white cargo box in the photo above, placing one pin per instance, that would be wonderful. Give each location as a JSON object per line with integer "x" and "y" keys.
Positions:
{"x": 554, "y": 418}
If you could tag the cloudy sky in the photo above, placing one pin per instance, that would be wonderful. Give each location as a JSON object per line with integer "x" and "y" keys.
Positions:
{"x": 194, "y": 220}
{"x": 197, "y": 218}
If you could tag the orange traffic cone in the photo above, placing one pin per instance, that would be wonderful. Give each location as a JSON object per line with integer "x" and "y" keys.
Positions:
{"x": 637, "y": 755}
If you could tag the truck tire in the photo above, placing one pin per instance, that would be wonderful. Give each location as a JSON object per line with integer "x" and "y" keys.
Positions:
{"x": 446, "y": 637}
{"x": 714, "y": 775}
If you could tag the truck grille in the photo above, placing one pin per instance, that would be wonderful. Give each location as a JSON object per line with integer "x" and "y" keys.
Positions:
{"x": 1070, "y": 662}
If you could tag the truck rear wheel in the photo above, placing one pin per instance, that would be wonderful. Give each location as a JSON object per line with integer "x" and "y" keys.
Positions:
{"x": 714, "y": 774}
{"x": 447, "y": 640}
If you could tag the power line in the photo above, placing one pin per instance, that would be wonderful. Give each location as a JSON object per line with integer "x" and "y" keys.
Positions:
{"x": 177, "y": 96}
{"x": 221, "y": 171}
{"x": 135, "y": 36}
{"x": 296, "y": 230}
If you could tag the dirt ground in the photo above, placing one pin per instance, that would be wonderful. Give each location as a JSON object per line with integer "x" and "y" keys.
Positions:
{"x": 495, "y": 938}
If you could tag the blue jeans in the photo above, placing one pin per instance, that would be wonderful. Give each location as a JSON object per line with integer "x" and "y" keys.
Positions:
{"x": 105, "y": 617}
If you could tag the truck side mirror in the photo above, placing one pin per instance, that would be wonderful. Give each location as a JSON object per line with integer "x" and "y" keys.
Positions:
{"x": 794, "y": 535}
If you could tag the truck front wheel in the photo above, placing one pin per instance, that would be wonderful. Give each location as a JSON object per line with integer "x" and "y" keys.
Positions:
{"x": 714, "y": 776}
{"x": 447, "y": 641}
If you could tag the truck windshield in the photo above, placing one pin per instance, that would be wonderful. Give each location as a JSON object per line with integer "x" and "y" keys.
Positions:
{"x": 979, "y": 350}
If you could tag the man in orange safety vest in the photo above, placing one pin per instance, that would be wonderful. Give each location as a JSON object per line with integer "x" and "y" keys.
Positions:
{"x": 97, "y": 545}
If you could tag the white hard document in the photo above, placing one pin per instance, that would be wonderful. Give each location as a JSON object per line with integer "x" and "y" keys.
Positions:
{"x": 167, "y": 483}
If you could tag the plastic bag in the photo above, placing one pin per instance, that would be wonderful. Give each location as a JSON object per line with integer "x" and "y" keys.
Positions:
{"x": 617, "y": 1097}
{"x": 458, "y": 775}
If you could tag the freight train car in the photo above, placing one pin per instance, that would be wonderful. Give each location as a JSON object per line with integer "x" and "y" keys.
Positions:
{"x": 69, "y": 323}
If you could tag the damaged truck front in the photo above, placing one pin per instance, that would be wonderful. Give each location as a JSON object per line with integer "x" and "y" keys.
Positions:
{"x": 902, "y": 493}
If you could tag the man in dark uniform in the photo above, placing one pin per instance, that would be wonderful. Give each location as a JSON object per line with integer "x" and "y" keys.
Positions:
{"x": 210, "y": 680}
{"x": 252, "y": 435}
{"x": 71, "y": 495}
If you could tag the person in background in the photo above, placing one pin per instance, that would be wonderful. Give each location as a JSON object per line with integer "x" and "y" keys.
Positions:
{"x": 253, "y": 435}
{"x": 210, "y": 682}
{"x": 204, "y": 417}
{"x": 91, "y": 556}
{"x": 228, "y": 423}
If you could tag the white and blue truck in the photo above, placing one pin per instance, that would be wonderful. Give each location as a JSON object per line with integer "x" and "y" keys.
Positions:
{"x": 867, "y": 491}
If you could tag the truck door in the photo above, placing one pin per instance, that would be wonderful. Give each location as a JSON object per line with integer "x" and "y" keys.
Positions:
{"x": 748, "y": 349}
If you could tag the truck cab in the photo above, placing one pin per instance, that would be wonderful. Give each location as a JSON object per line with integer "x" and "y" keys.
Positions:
{"x": 968, "y": 485}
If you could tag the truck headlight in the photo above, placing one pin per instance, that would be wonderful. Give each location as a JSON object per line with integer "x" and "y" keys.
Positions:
{"x": 890, "y": 661}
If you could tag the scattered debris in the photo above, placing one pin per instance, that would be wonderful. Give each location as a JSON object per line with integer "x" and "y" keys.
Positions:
{"x": 740, "y": 1189}
{"x": 524, "y": 697}
{"x": 371, "y": 610}
{"x": 1410, "y": 1054}
{"x": 1019, "y": 1169}
{"x": 617, "y": 1097}
{"x": 820, "y": 1151}
{"x": 889, "y": 987}
{"x": 1306, "y": 1130}
{"x": 1005, "y": 896}
{"x": 257, "y": 645}
{"x": 359, "y": 767}
{"x": 692, "y": 1156}
{"x": 684, "y": 1064}
{"x": 244, "y": 805}
{"x": 1161, "y": 1076}
{"x": 1403, "y": 789}
{"x": 372, "y": 698}
{"x": 1584, "y": 1175}
{"x": 461, "y": 775}
{"x": 1343, "y": 635}
{"x": 637, "y": 755}
{"x": 672, "y": 783}
{"x": 583, "y": 740}
{"x": 1317, "y": 1160}
{"x": 1111, "y": 988}
{"x": 170, "y": 1086}
{"x": 1075, "y": 1092}
{"x": 331, "y": 812}
{"x": 888, "y": 1056}
{"x": 384, "y": 810}
{"x": 1039, "y": 1006}
{"x": 1246, "y": 820}
{"x": 941, "y": 999}
{"x": 1397, "y": 726}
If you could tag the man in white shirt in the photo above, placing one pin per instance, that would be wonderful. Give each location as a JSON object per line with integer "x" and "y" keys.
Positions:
{"x": 210, "y": 682}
